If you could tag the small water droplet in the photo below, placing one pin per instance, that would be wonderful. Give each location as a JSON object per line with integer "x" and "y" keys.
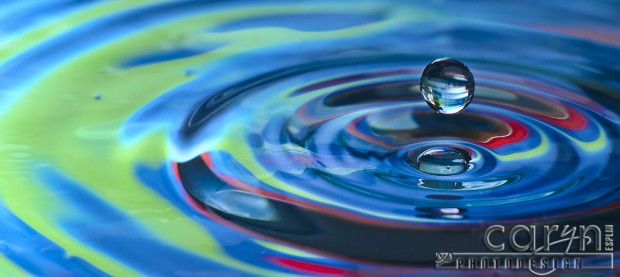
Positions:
{"x": 442, "y": 161}
{"x": 97, "y": 96}
{"x": 447, "y": 85}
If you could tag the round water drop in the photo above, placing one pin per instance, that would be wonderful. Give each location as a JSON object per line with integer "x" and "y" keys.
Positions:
{"x": 442, "y": 161}
{"x": 447, "y": 85}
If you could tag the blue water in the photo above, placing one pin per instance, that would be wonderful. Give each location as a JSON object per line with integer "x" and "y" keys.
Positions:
{"x": 209, "y": 138}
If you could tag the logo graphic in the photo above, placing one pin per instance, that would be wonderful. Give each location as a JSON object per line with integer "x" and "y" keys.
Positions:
{"x": 540, "y": 249}
{"x": 443, "y": 258}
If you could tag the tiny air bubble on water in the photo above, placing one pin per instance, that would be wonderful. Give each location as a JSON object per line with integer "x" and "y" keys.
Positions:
{"x": 442, "y": 161}
{"x": 447, "y": 85}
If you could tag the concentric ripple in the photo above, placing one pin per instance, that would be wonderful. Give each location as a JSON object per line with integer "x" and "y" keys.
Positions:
{"x": 267, "y": 137}
{"x": 341, "y": 143}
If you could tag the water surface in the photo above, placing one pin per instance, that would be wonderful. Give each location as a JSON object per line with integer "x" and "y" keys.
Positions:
{"x": 271, "y": 137}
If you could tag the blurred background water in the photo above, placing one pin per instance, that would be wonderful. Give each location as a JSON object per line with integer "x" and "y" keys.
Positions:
{"x": 227, "y": 138}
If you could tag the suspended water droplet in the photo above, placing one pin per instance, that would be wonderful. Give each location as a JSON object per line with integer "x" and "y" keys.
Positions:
{"x": 447, "y": 85}
{"x": 442, "y": 161}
